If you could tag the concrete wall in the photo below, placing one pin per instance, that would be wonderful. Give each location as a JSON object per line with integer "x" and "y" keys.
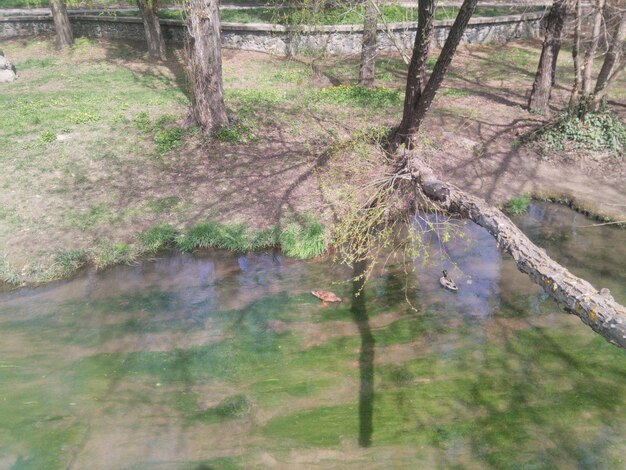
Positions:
{"x": 278, "y": 39}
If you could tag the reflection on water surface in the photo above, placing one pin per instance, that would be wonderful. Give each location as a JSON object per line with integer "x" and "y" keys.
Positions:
{"x": 225, "y": 361}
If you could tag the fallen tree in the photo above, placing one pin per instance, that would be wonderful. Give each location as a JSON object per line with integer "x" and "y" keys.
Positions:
{"x": 596, "y": 309}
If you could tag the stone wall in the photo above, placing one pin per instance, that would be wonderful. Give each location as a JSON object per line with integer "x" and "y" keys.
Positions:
{"x": 278, "y": 39}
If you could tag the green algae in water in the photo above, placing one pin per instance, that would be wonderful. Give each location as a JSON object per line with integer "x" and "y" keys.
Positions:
{"x": 232, "y": 359}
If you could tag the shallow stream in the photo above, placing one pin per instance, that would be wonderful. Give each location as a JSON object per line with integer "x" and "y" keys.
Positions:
{"x": 214, "y": 360}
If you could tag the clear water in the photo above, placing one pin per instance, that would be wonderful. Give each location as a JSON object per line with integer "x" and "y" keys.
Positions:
{"x": 219, "y": 361}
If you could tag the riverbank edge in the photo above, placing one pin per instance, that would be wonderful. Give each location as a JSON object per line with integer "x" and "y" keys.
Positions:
{"x": 306, "y": 240}
{"x": 303, "y": 239}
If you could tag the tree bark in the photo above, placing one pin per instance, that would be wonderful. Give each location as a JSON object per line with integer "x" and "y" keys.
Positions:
{"x": 61, "y": 23}
{"x": 368, "y": 49}
{"x": 152, "y": 28}
{"x": 593, "y": 46}
{"x": 544, "y": 78}
{"x": 417, "y": 71}
{"x": 596, "y": 309}
{"x": 417, "y": 101}
{"x": 204, "y": 66}
{"x": 613, "y": 56}
{"x": 574, "y": 98}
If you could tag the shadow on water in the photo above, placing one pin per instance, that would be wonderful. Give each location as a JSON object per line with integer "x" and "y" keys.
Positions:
{"x": 366, "y": 356}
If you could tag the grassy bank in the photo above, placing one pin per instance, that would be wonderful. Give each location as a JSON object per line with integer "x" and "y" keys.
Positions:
{"x": 101, "y": 172}
{"x": 299, "y": 240}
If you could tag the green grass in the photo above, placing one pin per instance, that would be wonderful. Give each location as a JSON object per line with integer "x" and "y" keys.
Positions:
{"x": 518, "y": 205}
{"x": 303, "y": 240}
{"x": 361, "y": 97}
{"x": 158, "y": 238}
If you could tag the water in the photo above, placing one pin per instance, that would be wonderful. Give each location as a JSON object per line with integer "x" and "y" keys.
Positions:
{"x": 225, "y": 361}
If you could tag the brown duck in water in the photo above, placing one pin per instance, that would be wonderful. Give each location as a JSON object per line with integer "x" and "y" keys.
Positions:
{"x": 448, "y": 283}
{"x": 326, "y": 296}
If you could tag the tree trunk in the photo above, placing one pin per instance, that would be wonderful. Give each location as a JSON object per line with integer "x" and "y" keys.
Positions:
{"x": 613, "y": 56}
{"x": 417, "y": 102}
{"x": 152, "y": 28}
{"x": 593, "y": 46}
{"x": 596, "y": 309}
{"x": 368, "y": 50}
{"x": 544, "y": 78}
{"x": 417, "y": 72}
{"x": 61, "y": 23}
{"x": 204, "y": 67}
{"x": 575, "y": 95}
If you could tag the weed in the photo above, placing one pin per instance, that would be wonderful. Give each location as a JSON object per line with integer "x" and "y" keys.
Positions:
{"x": 82, "y": 117}
{"x": 158, "y": 238}
{"x": 516, "y": 143}
{"x": 142, "y": 122}
{"x": 66, "y": 263}
{"x": 235, "y": 133}
{"x": 48, "y": 136}
{"x": 108, "y": 254}
{"x": 598, "y": 131}
{"x": 168, "y": 139}
{"x": 303, "y": 240}
{"x": 358, "y": 96}
{"x": 518, "y": 205}
{"x": 8, "y": 273}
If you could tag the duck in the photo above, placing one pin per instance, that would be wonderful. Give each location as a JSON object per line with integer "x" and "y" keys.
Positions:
{"x": 448, "y": 283}
{"x": 326, "y": 296}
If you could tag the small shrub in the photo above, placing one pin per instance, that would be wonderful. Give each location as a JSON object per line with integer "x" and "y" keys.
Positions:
{"x": 303, "y": 241}
{"x": 158, "y": 238}
{"x": 168, "y": 139}
{"x": 598, "y": 131}
{"x": 518, "y": 205}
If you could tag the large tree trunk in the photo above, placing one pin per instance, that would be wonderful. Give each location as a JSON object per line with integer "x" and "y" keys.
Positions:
{"x": 544, "y": 78}
{"x": 417, "y": 101}
{"x": 152, "y": 28}
{"x": 613, "y": 56}
{"x": 368, "y": 49}
{"x": 61, "y": 23}
{"x": 204, "y": 67}
{"x": 593, "y": 46}
{"x": 596, "y": 309}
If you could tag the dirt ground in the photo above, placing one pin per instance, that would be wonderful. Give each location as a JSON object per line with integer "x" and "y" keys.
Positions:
{"x": 101, "y": 181}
